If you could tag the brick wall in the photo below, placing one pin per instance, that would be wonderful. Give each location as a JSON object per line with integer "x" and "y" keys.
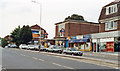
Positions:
{"x": 56, "y": 31}
{"x": 81, "y": 28}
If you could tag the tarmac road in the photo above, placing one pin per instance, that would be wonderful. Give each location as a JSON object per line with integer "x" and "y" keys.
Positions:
{"x": 18, "y": 59}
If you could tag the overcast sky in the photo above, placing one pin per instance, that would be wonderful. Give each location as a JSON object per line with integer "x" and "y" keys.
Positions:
{"x": 25, "y": 12}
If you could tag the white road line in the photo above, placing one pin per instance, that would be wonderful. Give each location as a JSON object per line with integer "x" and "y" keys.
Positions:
{"x": 62, "y": 66}
{"x": 35, "y": 58}
{"x": 41, "y": 59}
{"x": 57, "y": 64}
{"x": 38, "y": 59}
{"x": 22, "y": 54}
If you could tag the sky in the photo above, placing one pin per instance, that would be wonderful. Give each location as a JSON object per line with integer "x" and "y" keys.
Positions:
{"x": 24, "y": 12}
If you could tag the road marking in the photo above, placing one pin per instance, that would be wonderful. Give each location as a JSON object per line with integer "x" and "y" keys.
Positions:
{"x": 62, "y": 66}
{"x": 41, "y": 59}
{"x": 22, "y": 54}
{"x": 35, "y": 58}
{"x": 38, "y": 59}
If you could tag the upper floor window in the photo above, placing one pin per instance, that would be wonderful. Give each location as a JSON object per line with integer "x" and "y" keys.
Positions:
{"x": 111, "y": 9}
{"x": 112, "y": 25}
{"x": 60, "y": 27}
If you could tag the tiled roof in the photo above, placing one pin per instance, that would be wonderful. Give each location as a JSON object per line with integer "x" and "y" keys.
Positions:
{"x": 103, "y": 11}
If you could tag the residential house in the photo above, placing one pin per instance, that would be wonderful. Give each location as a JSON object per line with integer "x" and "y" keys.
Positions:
{"x": 107, "y": 39}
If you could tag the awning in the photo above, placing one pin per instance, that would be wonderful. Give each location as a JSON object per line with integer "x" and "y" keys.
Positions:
{"x": 82, "y": 40}
{"x": 79, "y": 40}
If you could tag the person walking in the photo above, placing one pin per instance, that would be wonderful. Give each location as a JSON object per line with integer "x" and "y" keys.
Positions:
{"x": 39, "y": 47}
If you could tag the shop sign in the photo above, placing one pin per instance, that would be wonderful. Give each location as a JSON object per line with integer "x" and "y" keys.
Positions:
{"x": 79, "y": 37}
{"x": 86, "y": 36}
{"x": 107, "y": 40}
{"x": 94, "y": 40}
{"x": 81, "y": 40}
{"x": 73, "y": 37}
{"x": 110, "y": 46}
{"x": 35, "y": 32}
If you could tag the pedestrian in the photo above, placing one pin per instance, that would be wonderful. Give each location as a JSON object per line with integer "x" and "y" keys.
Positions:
{"x": 39, "y": 47}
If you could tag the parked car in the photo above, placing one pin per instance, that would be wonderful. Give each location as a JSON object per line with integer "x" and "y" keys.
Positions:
{"x": 36, "y": 47}
{"x": 23, "y": 46}
{"x": 6, "y": 46}
{"x": 42, "y": 48}
{"x": 72, "y": 51}
{"x": 31, "y": 47}
{"x": 54, "y": 48}
{"x": 13, "y": 46}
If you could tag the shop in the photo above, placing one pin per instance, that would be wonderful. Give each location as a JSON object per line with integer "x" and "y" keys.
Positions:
{"x": 82, "y": 42}
{"x": 105, "y": 42}
{"x": 61, "y": 41}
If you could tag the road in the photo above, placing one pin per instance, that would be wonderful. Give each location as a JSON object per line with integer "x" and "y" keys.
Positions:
{"x": 19, "y": 59}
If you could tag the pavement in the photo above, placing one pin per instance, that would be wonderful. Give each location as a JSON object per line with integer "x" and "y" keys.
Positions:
{"x": 102, "y": 55}
{"x": 26, "y": 59}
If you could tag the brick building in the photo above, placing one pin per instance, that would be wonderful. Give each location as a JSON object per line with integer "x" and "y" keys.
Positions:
{"x": 38, "y": 33}
{"x": 107, "y": 39}
{"x": 68, "y": 31}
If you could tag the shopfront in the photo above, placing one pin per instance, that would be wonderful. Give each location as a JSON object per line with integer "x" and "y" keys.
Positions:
{"x": 105, "y": 42}
{"x": 82, "y": 42}
{"x": 61, "y": 41}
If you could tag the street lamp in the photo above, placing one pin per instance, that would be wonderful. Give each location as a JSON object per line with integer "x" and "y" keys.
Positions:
{"x": 40, "y": 16}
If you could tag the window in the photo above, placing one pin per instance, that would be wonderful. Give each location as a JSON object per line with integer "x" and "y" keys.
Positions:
{"x": 112, "y": 25}
{"x": 60, "y": 27}
{"x": 111, "y": 9}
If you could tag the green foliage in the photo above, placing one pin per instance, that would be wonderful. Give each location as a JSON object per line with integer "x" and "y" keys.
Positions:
{"x": 25, "y": 34}
{"x": 21, "y": 35}
{"x": 75, "y": 17}
{"x": 4, "y": 42}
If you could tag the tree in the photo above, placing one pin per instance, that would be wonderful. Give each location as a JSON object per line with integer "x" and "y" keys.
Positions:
{"x": 75, "y": 17}
{"x": 25, "y": 34}
{"x": 21, "y": 35}
{"x": 4, "y": 42}
{"x": 15, "y": 35}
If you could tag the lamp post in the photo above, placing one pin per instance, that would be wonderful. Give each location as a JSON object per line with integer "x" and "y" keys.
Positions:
{"x": 40, "y": 17}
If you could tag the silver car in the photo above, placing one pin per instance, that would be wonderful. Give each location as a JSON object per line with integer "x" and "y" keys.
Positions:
{"x": 72, "y": 51}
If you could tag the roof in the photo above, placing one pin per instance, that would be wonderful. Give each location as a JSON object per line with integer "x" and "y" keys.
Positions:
{"x": 103, "y": 11}
{"x": 76, "y": 22}
{"x": 36, "y": 27}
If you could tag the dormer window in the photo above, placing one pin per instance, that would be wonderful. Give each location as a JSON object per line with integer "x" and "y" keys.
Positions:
{"x": 111, "y": 9}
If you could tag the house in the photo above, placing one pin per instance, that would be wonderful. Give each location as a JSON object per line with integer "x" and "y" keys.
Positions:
{"x": 72, "y": 33}
{"x": 39, "y": 34}
{"x": 107, "y": 39}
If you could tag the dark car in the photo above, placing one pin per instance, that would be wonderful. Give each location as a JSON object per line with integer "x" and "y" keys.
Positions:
{"x": 72, "y": 51}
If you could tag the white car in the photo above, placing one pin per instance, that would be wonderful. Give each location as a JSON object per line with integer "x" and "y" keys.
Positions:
{"x": 31, "y": 47}
{"x": 72, "y": 51}
{"x": 36, "y": 47}
{"x": 23, "y": 46}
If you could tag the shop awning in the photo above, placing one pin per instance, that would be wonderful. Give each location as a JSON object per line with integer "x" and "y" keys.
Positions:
{"x": 71, "y": 41}
{"x": 79, "y": 40}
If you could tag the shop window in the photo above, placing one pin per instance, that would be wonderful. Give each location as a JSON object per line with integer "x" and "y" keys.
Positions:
{"x": 103, "y": 47}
